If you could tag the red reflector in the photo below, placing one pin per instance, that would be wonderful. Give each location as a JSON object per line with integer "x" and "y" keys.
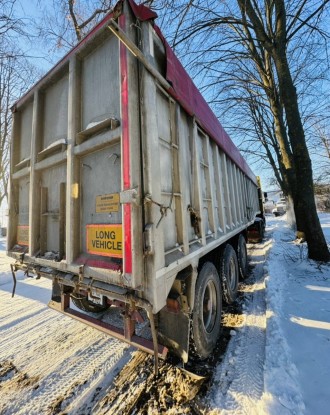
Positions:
{"x": 173, "y": 305}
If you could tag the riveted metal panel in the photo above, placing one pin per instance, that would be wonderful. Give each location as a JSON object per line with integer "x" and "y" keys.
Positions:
{"x": 23, "y": 201}
{"x": 52, "y": 181}
{"x": 164, "y": 124}
{"x": 185, "y": 143}
{"x": 55, "y": 118}
{"x": 100, "y": 176}
{"x": 100, "y": 84}
{"x": 25, "y": 132}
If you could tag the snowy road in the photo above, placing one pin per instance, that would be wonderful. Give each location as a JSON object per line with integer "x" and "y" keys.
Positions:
{"x": 265, "y": 364}
{"x": 49, "y": 363}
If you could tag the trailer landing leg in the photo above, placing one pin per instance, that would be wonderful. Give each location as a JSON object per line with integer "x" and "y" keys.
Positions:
{"x": 13, "y": 273}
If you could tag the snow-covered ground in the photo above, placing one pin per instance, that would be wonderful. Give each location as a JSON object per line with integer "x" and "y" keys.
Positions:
{"x": 277, "y": 361}
{"x": 297, "y": 365}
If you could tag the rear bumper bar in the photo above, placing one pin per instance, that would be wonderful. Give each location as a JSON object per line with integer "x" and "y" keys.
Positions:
{"x": 136, "y": 341}
{"x": 67, "y": 283}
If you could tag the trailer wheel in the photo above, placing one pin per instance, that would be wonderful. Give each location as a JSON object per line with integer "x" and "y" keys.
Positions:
{"x": 242, "y": 258}
{"x": 206, "y": 317}
{"x": 229, "y": 274}
{"x": 85, "y": 305}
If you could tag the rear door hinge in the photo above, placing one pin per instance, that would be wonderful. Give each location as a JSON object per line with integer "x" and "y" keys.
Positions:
{"x": 130, "y": 196}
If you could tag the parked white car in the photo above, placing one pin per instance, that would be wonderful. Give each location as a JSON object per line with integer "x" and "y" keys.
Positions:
{"x": 280, "y": 207}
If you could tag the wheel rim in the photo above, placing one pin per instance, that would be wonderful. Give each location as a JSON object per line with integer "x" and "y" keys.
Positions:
{"x": 232, "y": 274}
{"x": 209, "y": 306}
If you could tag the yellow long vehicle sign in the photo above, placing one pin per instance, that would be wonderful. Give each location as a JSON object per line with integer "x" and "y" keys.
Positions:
{"x": 105, "y": 240}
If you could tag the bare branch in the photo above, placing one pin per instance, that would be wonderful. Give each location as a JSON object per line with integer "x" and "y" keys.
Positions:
{"x": 305, "y": 22}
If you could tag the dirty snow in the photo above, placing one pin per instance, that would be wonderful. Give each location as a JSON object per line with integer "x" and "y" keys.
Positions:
{"x": 277, "y": 361}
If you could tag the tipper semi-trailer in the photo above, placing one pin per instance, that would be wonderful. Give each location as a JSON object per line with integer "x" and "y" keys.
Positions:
{"x": 127, "y": 192}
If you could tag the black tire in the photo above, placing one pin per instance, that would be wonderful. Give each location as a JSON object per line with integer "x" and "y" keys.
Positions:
{"x": 242, "y": 257}
{"x": 229, "y": 274}
{"x": 206, "y": 316}
{"x": 85, "y": 305}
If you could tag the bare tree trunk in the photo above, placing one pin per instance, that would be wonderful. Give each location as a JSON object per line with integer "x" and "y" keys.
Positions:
{"x": 305, "y": 208}
{"x": 304, "y": 202}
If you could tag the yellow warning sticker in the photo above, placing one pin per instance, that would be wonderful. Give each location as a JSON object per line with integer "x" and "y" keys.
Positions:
{"x": 107, "y": 203}
{"x": 23, "y": 235}
{"x": 105, "y": 240}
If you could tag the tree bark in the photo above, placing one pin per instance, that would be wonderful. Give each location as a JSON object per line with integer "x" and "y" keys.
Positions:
{"x": 305, "y": 208}
{"x": 304, "y": 202}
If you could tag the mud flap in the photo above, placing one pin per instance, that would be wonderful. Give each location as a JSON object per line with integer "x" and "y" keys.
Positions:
{"x": 255, "y": 232}
{"x": 174, "y": 331}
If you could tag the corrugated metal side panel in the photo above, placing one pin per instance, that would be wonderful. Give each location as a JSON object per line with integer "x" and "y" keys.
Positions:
{"x": 199, "y": 197}
{"x": 186, "y": 92}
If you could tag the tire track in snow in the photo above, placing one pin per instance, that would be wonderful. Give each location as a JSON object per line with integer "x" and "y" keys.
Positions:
{"x": 282, "y": 387}
{"x": 65, "y": 382}
{"x": 63, "y": 359}
{"x": 23, "y": 318}
{"x": 238, "y": 382}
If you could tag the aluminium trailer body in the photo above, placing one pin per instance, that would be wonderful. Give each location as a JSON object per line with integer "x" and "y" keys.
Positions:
{"x": 126, "y": 191}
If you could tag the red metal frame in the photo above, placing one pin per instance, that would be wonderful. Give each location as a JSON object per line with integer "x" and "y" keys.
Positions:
{"x": 127, "y": 219}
